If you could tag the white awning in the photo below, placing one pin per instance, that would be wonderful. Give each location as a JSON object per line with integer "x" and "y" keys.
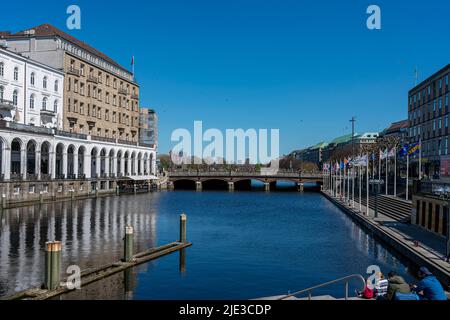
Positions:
{"x": 142, "y": 178}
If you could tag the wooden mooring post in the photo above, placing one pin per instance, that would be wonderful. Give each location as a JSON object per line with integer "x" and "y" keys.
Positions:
{"x": 128, "y": 245}
{"x": 53, "y": 286}
{"x": 183, "y": 219}
{"x": 3, "y": 201}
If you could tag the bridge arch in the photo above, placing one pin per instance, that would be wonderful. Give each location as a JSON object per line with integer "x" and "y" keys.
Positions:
{"x": 185, "y": 184}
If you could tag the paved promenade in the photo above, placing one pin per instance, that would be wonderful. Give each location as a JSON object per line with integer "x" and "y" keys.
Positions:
{"x": 402, "y": 236}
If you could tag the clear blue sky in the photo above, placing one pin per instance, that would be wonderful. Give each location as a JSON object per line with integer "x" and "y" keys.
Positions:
{"x": 304, "y": 67}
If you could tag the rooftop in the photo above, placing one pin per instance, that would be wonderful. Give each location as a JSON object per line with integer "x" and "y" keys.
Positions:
{"x": 47, "y": 30}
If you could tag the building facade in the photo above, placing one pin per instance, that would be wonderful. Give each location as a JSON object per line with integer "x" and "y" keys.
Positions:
{"x": 101, "y": 98}
{"x": 428, "y": 112}
{"x": 30, "y": 92}
{"x": 69, "y": 123}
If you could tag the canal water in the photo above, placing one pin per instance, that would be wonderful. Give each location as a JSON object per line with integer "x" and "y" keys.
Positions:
{"x": 245, "y": 244}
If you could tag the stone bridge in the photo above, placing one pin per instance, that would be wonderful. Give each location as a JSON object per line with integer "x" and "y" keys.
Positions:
{"x": 237, "y": 180}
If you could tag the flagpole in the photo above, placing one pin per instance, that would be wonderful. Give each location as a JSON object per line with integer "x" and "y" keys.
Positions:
{"x": 379, "y": 165}
{"x": 360, "y": 182}
{"x": 387, "y": 168}
{"x": 407, "y": 176}
{"x": 367, "y": 186}
{"x": 343, "y": 183}
{"x": 420, "y": 158}
{"x": 353, "y": 186}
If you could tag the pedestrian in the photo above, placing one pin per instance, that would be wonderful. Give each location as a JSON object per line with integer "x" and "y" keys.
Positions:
{"x": 396, "y": 284}
{"x": 429, "y": 287}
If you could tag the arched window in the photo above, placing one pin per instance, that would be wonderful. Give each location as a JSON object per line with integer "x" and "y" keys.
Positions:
{"x": 44, "y": 83}
{"x": 2, "y": 69}
{"x": 56, "y": 86}
{"x": 32, "y": 79}
{"x": 44, "y": 104}
{"x": 15, "y": 97}
{"x": 55, "y": 106}
{"x": 16, "y": 74}
{"x": 32, "y": 102}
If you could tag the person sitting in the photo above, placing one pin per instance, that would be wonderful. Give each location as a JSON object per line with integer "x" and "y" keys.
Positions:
{"x": 368, "y": 292}
{"x": 381, "y": 285}
{"x": 396, "y": 285}
{"x": 429, "y": 287}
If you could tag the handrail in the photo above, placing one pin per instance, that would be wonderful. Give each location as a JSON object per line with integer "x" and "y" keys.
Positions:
{"x": 346, "y": 279}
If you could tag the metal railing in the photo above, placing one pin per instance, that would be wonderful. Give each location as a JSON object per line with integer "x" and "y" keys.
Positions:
{"x": 241, "y": 174}
{"x": 74, "y": 135}
{"x": 326, "y": 284}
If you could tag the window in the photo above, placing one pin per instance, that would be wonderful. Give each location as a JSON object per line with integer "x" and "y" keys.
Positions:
{"x": 16, "y": 74}
{"x": 55, "y": 106}
{"x": 56, "y": 86}
{"x": 15, "y": 97}
{"x": 446, "y": 146}
{"x": 44, "y": 83}
{"x": 1, "y": 92}
{"x": 44, "y": 104}
{"x": 32, "y": 79}
{"x": 2, "y": 69}
{"x": 32, "y": 102}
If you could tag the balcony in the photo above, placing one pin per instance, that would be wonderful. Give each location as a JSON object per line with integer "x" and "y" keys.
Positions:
{"x": 49, "y": 113}
{"x": 92, "y": 79}
{"x": 123, "y": 91}
{"x": 73, "y": 71}
{"x": 6, "y": 105}
{"x": 135, "y": 96}
{"x": 103, "y": 139}
{"x": 71, "y": 135}
{"x": 16, "y": 177}
{"x": 71, "y": 177}
{"x": 130, "y": 143}
{"x": 81, "y": 176}
{"x": 24, "y": 128}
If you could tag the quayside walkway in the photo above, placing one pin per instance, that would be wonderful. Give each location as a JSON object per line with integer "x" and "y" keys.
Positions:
{"x": 418, "y": 246}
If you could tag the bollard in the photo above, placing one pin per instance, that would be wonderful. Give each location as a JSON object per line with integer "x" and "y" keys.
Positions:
{"x": 183, "y": 228}
{"x": 129, "y": 238}
{"x": 3, "y": 201}
{"x": 52, "y": 265}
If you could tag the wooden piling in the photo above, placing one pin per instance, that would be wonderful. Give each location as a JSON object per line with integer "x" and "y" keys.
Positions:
{"x": 128, "y": 246}
{"x": 52, "y": 265}
{"x": 183, "y": 219}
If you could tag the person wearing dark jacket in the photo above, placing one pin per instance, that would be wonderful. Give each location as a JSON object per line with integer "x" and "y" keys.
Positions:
{"x": 429, "y": 287}
{"x": 396, "y": 284}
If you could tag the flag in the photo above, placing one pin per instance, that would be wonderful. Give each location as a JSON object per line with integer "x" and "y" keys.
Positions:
{"x": 383, "y": 154}
{"x": 132, "y": 61}
{"x": 342, "y": 165}
{"x": 391, "y": 153}
{"x": 404, "y": 150}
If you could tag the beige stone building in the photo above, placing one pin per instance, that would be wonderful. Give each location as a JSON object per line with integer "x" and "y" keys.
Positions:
{"x": 101, "y": 98}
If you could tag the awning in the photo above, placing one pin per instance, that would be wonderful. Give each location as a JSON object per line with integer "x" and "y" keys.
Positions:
{"x": 142, "y": 178}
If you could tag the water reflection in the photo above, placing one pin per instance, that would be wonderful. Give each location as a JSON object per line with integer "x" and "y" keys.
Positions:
{"x": 246, "y": 244}
{"x": 91, "y": 232}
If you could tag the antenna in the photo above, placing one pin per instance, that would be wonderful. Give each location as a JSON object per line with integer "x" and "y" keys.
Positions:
{"x": 416, "y": 76}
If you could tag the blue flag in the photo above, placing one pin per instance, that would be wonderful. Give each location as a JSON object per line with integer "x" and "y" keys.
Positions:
{"x": 404, "y": 150}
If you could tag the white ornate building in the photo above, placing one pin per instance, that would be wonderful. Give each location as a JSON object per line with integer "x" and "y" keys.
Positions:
{"x": 30, "y": 93}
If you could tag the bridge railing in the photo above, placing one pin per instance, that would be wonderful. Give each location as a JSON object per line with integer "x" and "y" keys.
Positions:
{"x": 242, "y": 174}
